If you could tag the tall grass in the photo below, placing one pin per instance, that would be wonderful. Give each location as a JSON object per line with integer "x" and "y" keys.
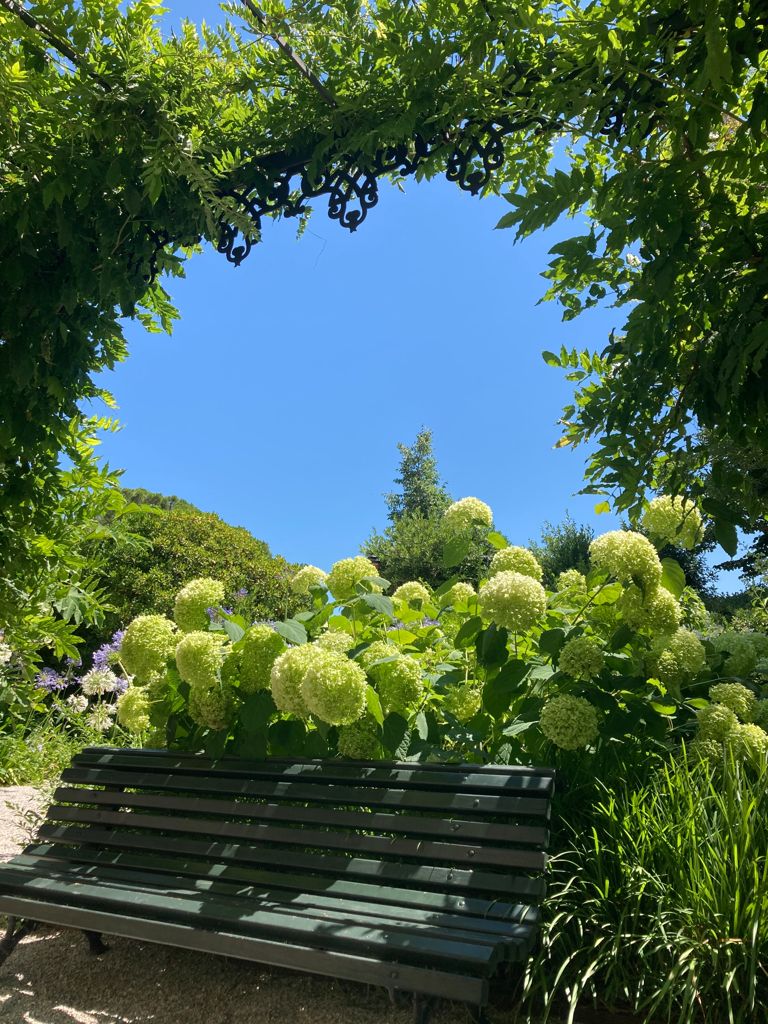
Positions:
{"x": 661, "y": 907}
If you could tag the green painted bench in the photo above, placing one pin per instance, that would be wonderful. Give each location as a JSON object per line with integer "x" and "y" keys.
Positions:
{"x": 421, "y": 878}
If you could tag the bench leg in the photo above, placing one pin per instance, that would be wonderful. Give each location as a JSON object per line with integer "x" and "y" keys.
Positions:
{"x": 422, "y": 1009}
{"x": 14, "y": 933}
{"x": 96, "y": 945}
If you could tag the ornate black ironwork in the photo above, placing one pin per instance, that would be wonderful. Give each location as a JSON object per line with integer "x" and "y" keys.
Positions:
{"x": 475, "y": 151}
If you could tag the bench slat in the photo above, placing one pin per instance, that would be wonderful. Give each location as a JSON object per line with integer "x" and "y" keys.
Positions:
{"x": 326, "y": 930}
{"x": 476, "y": 831}
{"x": 454, "y": 853}
{"x": 396, "y": 776}
{"x": 421, "y": 876}
{"x": 410, "y": 799}
{"x": 408, "y": 899}
{"x": 277, "y": 954}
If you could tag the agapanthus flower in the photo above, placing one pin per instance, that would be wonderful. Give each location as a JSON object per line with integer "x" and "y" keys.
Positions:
{"x": 334, "y": 688}
{"x": 336, "y": 640}
{"x": 748, "y": 742}
{"x": 309, "y": 576}
{"x": 628, "y": 557}
{"x": 741, "y": 654}
{"x": 581, "y": 658}
{"x": 99, "y": 681}
{"x": 192, "y": 601}
{"x": 569, "y": 722}
{"x": 463, "y": 700}
{"x": 258, "y": 649}
{"x": 287, "y": 675}
{"x": 518, "y": 560}
{"x": 199, "y": 657}
{"x": 673, "y": 521}
{"x": 242, "y": 592}
{"x": 412, "y": 592}
{"x": 77, "y": 702}
{"x": 460, "y": 593}
{"x": 572, "y": 579}
{"x": 360, "y": 740}
{"x": 738, "y": 698}
{"x": 149, "y": 642}
{"x": 133, "y": 709}
{"x": 50, "y": 680}
{"x": 462, "y": 515}
{"x": 109, "y": 653}
{"x": 674, "y": 658}
{"x": 399, "y": 683}
{"x": 100, "y": 717}
{"x": 211, "y": 706}
{"x": 715, "y": 722}
{"x": 345, "y": 574}
{"x": 514, "y": 601}
{"x": 657, "y": 611}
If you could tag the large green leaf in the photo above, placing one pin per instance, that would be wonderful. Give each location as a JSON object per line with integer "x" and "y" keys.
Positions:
{"x": 498, "y": 692}
{"x": 672, "y": 576}
{"x": 292, "y": 631}
{"x": 455, "y": 551}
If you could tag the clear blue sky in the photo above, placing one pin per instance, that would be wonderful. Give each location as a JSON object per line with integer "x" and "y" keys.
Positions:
{"x": 280, "y": 398}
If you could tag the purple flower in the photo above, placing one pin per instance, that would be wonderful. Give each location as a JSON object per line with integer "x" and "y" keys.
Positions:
{"x": 242, "y": 592}
{"x": 73, "y": 662}
{"x": 50, "y": 680}
{"x": 120, "y": 686}
{"x": 212, "y": 613}
{"x": 101, "y": 657}
{"x": 426, "y": 621}
{"x": 396, "y": 624}
{"x": 227, "y": 611}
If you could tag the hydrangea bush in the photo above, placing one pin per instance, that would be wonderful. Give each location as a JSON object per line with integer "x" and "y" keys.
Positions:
{"x": 619, "y": 656}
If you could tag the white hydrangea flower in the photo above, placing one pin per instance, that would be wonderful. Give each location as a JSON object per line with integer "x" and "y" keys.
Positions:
{"x": 308, "y": 576}
{"x": 674, "y": 521}
{"x": 628, "y": 557}
{"x": 462, "y": 515}
{"x": 190, "y": 611}
{"x": 334, "y": 688}
{"x": 518, "y": 560}
{"x": 514, "y": 601}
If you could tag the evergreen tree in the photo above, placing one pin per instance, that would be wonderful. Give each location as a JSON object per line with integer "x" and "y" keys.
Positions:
{"x": 421, "y": 493}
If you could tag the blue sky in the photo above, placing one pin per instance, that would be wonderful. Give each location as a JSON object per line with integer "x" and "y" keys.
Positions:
{"x": 280, "y": 398}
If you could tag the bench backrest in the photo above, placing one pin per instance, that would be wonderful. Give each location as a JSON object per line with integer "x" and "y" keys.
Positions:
{"x": 458, "y": 830}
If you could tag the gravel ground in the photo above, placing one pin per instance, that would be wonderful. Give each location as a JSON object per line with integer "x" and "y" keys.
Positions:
{"x": 51, "y": 978}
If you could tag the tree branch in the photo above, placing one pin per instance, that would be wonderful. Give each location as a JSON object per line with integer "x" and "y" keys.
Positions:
{"x": 289, "y": 52}
{"x": 60, "y": 45}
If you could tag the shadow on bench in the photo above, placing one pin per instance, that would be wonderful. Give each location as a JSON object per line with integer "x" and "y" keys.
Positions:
{"x": 421, "y": 878}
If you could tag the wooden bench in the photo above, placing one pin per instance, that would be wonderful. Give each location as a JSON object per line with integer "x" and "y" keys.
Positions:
{"x": 422, "y": 878}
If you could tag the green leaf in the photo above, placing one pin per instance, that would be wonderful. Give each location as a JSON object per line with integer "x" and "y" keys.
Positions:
{"x": 497, "y": 540}
{"x": 468, "y": 631}
{"x": 422, "y": 726}
{"x": 609, "y": 594}
{"x": 491, "y": 646}
{"x": 550, "y": 358}
{"x": 374, "y": 704}
{"x": 498, "y": 692}
{"x": 455, "y": 551}
{"x": 620, "y": 638}
{"x": 379, "y": 603}
{"x": 672, "y": 576}
{"x": 517, "y": 727}
{"x": 234, "y": 631}
{"x": 663, "y": 709}
{"x": 443, "y": 589}
{"x": 726, "y": 536}
{"x": 601, "y": 507}
{"x": 551, "y": 641}
{"x": 292, "y": 631}
{"x": 394, "y": 732}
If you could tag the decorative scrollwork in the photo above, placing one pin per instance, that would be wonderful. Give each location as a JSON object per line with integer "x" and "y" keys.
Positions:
{"x": 350, "y": 180}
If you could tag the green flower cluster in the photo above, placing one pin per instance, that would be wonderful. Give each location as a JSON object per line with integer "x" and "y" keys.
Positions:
{"x": 344, "y": 576}
{"x": 657, "y": 611}
{"x": 675, "y": 658}
{"x": 333, "y": 688}
{"x": 628, "y": 557}
{"x": 673, "y": 521}
{"x": 715, "y": 722}
{"x": 335, "y": 640}
{"x": 199, "y": 658}
{"x": 462, "y": 515}
{"x": 460, "y": 593}
{"x": 572, "y": 580}
{"x": 308, "y": 576}
{"x": 412, "y": 593}
{"x": 399, "y": 683}
{"x": 514, "y": 601}
{"x": 376, "y": 651}
{"x": 193, "y": 601}
{"x": 517, "y": 560}
{"x": 133, "y": 709}
{"x": 212, "y": 706}
{"x": 463, "y": 700}
{"x": 749, "y": 743}
{"x": 256, "y": 654}
{"x": 149, "y": 641}
{"x": 738, "y": 698}
{"x": 569, "y": 722}
{"x": 360, "y": 740}
{"x": 581, "y": 658}
{"x": 741, "y": 657}
{"x": 287, "y": 676}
